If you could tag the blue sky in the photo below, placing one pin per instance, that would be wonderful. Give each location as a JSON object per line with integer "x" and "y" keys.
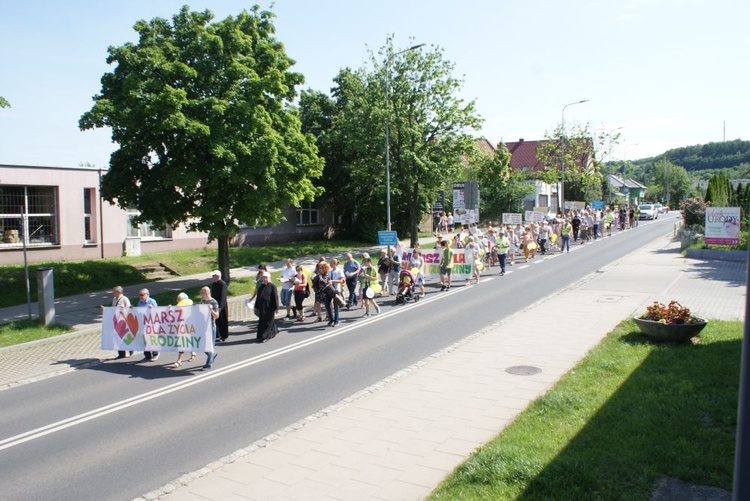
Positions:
{"x": 670, "y": 72}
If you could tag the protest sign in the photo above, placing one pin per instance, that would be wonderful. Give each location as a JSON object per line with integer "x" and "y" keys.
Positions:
{"x": 512, "y": 218}
{"x": 164, "y": 328}
{"x": 461, "y": 270}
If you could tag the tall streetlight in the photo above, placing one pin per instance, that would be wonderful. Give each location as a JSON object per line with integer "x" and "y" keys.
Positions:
{"x": 562, "y": 155}
{"x": 388, "y": 136}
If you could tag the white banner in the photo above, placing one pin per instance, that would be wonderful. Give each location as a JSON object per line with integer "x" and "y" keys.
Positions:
{"x": 512, "y": 218}
{"x": 722, "y": 225}
{"x": 460, "y": 270}
{"x": 534, "y": 216}
{"x": 164, "y": 328}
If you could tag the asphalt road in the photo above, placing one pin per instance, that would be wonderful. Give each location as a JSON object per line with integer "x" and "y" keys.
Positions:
{"x": 121, "y": 429}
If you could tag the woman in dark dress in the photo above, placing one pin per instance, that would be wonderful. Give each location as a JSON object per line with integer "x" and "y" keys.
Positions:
{"x": 267, "y": 302}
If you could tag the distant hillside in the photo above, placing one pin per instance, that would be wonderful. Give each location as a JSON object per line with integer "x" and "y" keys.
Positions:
{"x": 723, "y": 155}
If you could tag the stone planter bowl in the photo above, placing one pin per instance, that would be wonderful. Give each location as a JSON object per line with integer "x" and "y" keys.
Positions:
{"x": 675, "y": 333}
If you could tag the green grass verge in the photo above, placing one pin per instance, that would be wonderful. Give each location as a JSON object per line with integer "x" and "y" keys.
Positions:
{"x": 629, "y": 413}
{"x": 76, "y": 277}
{"x": 24, "y": 331}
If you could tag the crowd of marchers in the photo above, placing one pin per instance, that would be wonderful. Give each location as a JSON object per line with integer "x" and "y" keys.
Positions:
{"x": 361, "y": 282}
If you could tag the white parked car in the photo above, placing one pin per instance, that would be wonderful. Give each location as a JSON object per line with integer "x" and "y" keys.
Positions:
{"x": 659, "y": 208}
{"x": 648, "y": 211}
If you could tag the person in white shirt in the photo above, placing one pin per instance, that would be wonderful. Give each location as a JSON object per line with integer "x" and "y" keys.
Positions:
{"x": 287, "y": 284}
{"x": 544, "y": 232}
{"x": 471, "y": 255}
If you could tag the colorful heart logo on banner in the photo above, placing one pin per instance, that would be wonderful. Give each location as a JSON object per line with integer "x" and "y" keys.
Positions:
{"x": 121, "y": 328}
{"x": 132, "y": 321}
{"x": 126, "y": 327}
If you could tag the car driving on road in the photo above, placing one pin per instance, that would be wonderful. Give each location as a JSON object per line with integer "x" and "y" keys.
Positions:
{"x": 648, "y": 211}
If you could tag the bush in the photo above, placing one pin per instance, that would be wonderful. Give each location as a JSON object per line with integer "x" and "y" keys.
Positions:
{"x": 693, "y": 212}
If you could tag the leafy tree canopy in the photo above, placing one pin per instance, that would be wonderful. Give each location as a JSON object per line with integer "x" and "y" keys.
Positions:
{"x": 717, "y": 155}
{"x": 4, "y": 102}
{"x": 584, "y": 150}
{"x": 207, "y": 137}
{"x": 429, "y": 134}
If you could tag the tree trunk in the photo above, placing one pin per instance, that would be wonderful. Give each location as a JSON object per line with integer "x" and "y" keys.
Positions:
{"x": 224, "y": 258}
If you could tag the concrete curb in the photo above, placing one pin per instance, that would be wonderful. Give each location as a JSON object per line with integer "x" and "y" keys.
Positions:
{"x": 53, "y": 339}
{"x": 735, "y": 256}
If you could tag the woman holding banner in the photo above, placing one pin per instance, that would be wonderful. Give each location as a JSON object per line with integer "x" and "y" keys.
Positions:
{"x": 183, "y": 300}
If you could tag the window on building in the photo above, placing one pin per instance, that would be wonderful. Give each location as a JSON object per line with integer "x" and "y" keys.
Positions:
{"x": 307, "y": 214}
{"x": 89, "y": 235}
{"x": 543, "y": 201}
{"x": 145, "y": 230}
{"x": 28, "y": 213}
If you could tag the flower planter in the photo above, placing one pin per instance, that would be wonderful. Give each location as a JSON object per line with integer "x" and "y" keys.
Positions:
{"x": 676, "y": 333}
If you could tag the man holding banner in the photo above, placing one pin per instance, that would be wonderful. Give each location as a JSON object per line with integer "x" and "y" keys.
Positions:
{"x": 119, "y": 300}
{"x": 161, "y": 328}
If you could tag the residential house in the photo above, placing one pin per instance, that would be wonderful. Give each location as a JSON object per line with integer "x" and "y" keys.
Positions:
{"x": 626, "y": 191}
{"x": 524, "y": 157}
{"x": 58, "y": 214}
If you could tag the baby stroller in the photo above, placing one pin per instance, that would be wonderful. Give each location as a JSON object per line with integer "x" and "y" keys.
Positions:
{"x": 405, "y": 292}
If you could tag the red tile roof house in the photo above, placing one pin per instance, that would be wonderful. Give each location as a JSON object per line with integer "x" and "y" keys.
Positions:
{"x": 523, "y": 157}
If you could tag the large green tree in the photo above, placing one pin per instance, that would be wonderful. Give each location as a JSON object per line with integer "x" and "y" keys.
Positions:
{"x": 670, "y": 183}
{"x": 343, "y": 126}
{"x": 4, "y": 102}
{"x": 429, "y": 135}
{"x": 206, "y": 132}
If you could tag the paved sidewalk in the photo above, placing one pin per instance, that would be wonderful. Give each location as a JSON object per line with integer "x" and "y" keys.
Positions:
{"x": 398, "y": 439}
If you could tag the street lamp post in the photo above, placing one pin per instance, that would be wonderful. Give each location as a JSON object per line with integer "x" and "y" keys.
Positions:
{"x": 388, "y": 136}
{"x": 561, "y": 196}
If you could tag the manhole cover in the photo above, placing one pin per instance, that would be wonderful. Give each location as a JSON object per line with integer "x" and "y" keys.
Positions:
{"x": 523, "y": 370}
{"x": 609, "y": 299}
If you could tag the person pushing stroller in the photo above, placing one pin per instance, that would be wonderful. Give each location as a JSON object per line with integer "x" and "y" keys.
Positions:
{"x": 406, "y": 281}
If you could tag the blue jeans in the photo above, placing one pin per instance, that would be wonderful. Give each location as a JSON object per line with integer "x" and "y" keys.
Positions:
{"x": 332, "y": 308}
{"x": 502, "y": 257}
{"x": 286, "y": 296}
{"x": 393, "y": 280}
{"x": 565, "y": 242}
{"x": 596, "y": 231}
{"x": 351, "y": 284}
{"x": 211, "y": 356}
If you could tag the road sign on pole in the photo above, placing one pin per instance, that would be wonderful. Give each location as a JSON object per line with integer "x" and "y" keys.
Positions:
{"x": 387, "y": 238}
